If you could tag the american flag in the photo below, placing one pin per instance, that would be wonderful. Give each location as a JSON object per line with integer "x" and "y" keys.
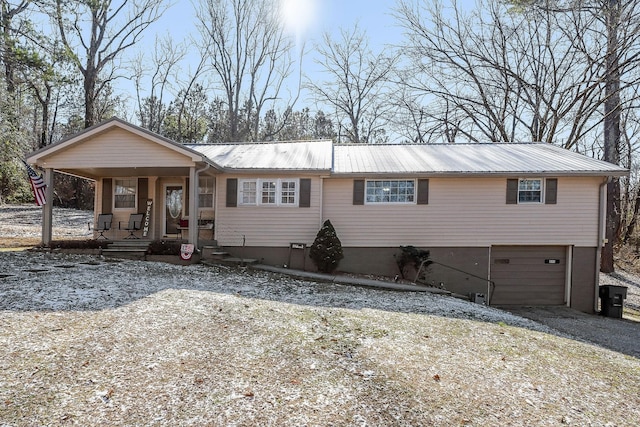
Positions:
{"x": 37, "y": 185}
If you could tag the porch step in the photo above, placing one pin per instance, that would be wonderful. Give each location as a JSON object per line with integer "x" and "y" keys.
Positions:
{"x": 217, "y": 255}
{"x": 214, "y": 252}
{"x": 229, "y": 261}
{"x": 127, "y": 249}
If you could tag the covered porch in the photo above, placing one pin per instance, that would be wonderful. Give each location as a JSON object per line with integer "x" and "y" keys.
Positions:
{"x": 150, "y": 188}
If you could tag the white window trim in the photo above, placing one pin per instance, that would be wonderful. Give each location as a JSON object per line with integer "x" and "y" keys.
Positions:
{"x": 542, "y": 187}
{"x": 240, "y": 192}
{"x": 415, "y": 193}
{"x": 135, "y": 195}
{"x": 258, "y": 199}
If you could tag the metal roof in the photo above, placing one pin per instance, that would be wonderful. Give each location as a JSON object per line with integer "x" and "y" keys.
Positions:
{"x": 454, "y": 159}
{"x": 277, "y": 156}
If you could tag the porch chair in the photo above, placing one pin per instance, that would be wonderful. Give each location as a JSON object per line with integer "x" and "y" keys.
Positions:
{"x": 104, "y": 224}
{"x": 134, "y": 224}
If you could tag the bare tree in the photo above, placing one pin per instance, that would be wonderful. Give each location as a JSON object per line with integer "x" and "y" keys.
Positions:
{"x": 96, "y": 33}
{"x": 356, "y": 85}
{"x": 610, "y": 31}
{"x": 152, "y": 77}
{"x": 499, "y": 76}
{"x": 250, "y": 56}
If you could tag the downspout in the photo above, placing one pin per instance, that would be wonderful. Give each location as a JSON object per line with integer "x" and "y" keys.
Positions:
{"x": 196, "y": 205}
{"x": 601, "y": 238}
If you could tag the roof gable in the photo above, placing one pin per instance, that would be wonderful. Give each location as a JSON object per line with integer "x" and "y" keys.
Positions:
{"x": 114, "y": 143}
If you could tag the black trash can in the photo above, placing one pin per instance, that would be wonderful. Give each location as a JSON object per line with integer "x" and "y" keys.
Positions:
{"x": 612, "y": 300}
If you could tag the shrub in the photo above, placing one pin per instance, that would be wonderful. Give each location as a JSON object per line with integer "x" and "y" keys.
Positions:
{"x": 413, "y": 257}
{"x": 164, "y": 247}
{"x": 326, "y": 250}
{"x": 78, "y": 244}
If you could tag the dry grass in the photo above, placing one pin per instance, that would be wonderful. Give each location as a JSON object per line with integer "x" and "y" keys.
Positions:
{"x": 19, "y": 242}
{"x": 144, "y": 344}
{"x": 208, "y": 357}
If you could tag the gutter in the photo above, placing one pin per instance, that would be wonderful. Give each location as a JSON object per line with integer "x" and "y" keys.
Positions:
{"x": 602, "y": 221}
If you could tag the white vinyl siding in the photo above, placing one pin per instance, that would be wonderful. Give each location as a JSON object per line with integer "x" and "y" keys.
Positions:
{"x": 263, "y": 225}
{"x": 466, "y": 212}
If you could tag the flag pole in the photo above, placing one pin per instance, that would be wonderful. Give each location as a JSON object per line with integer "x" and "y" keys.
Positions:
{"x": 47, "y": 209}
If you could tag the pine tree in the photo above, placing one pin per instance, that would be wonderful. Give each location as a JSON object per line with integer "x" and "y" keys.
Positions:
{"x": 326, "y": 250}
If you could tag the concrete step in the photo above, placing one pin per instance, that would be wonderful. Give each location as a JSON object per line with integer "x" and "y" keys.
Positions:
{"x": 229, "y": 261}
{"x": 214, "y": 252}
{"x": 131, "y": 249}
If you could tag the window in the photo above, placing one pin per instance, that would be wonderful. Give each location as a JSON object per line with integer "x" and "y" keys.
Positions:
{"x": 288, "y": 192}
{"x": 247, "y": 191}
{"x": 390, "y": 191}
{"x": 205, "y": 192}
{"x": 124, "y": 195}
{"x": 530, "y": 191}
{"x": 268, "y": 192}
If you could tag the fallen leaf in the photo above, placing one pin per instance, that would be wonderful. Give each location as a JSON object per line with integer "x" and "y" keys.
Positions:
{"x": 248, "y": 393}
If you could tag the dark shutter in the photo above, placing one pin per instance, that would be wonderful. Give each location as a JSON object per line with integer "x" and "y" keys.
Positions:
{"x": 551, "y": 191}
{"x": 512, "y": 191}
{"x": 107, "y": 195}
{"x": 143, "y": 193}
{"x": 423, "y": 191}
{"x": 232, "y": 192}
{"x": 186, "y": 198}
{"x": 358, "y": 192}
{"x": 305, "y": 193}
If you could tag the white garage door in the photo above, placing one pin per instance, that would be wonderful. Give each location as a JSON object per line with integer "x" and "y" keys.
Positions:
{"x": 528, "y": 275}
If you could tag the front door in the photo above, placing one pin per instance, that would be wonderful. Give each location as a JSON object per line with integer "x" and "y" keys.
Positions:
{"x": 172, "y": 208}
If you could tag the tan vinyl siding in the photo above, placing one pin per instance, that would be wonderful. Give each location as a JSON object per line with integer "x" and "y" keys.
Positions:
{"x": 271, "y": 226}
{"x": 470, "y": 212}
{"x": 117, "y": 148}
{"x": 121, "y": 216}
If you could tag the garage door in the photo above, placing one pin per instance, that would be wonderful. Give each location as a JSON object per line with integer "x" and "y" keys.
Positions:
{"x": 528, "y": 275}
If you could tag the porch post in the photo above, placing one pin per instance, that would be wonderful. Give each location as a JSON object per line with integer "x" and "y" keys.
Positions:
{"x": 193, "y": 207}
{"x": 47, "y": 208}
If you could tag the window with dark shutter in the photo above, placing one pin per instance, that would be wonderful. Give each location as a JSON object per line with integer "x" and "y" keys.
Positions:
{"x": 186, "y": 197}
{"x": 305, "y": 193}
{"x": 143, "y": 193}
{"x": 107, "y": 194}
{"x": 232, "y": 192}
{"x": 358, "y": 192}
{"x": 512, "y": 191}
{"x": 551, "y": 191}
{"x": 423, "y": 191}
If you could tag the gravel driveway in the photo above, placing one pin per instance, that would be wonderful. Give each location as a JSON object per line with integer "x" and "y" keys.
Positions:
{"x": 620, "y": 335}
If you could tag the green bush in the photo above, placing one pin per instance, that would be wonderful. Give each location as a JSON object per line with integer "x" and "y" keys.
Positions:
{"x": 411, "y": 256}
{"x": 326, "y": 250}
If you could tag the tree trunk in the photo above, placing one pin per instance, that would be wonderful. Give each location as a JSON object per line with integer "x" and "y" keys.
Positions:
{"x": 612, "y": 134}
{"x": 89, "y": 99}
